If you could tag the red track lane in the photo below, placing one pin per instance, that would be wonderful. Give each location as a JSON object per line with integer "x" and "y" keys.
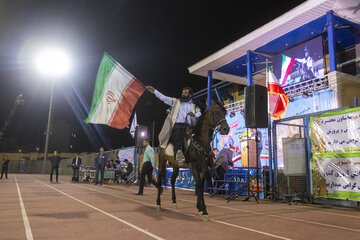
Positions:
{"x": 85, "y": 211}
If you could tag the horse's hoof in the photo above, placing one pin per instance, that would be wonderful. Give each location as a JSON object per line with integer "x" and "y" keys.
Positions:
{"x": 200, "y": 213}
{"x": 206, "y": 218}
{"x": 174, "y": 205}
{"x": 158, "y": 207}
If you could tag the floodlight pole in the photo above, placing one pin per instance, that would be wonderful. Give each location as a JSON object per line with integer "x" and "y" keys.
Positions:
{"x": 47, "y": 133}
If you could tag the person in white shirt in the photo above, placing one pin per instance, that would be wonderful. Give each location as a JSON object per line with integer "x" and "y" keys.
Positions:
{"x": 307, "y": 65}
{"x": 76, "y": 161}
{"x": 183, "y": 114}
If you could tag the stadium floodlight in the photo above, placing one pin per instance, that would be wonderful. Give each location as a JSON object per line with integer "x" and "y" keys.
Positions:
{"x": 52, "y": 62}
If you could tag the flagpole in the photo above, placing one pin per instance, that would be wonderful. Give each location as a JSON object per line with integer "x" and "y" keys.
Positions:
{"x": 269, "y": 135}
{"x": 153, "y": 138}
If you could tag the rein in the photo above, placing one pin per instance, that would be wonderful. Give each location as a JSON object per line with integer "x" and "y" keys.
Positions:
{"x": 215, "y": 129}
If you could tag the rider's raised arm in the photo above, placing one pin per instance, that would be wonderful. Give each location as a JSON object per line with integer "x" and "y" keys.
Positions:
{"x": 301, "y": 60}
{"x": 159, "y": 95}
{"x": 167, "y": 100}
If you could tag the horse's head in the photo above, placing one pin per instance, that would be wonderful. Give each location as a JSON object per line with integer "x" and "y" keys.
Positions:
{"x": 218, "y": 121}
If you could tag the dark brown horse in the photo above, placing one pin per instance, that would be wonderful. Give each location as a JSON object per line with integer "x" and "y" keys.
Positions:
{"x": 199, "y": 157}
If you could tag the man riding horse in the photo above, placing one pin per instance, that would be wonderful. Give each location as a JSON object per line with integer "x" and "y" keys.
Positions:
{"x": 182, "y": 115}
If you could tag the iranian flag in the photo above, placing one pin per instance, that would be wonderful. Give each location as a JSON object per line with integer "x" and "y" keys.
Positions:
{"x": 115, "y": 95}
{"x": 277, "y": 98}
{"x": 286, "y": 66}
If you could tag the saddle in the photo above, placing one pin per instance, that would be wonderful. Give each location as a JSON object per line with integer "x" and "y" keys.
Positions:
{"x": 187, "y": 141}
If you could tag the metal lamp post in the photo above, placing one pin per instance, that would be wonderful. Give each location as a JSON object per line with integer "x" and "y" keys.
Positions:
{"x": 47, "y": 133}
{"x": 51, "y": 62}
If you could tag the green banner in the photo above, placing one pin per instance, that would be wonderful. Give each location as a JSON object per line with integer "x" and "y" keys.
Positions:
{"x": 335, "y": 145}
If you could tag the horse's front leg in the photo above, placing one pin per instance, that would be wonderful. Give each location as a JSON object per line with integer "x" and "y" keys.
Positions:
{"x": 201, "y": 201}
{"x": 161, "y": 176}
{"x": 158, "y": 201}
{"x": 197, "y": 180}
{"x": 173, "y": 181}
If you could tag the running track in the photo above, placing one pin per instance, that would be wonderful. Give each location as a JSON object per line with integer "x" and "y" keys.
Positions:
{"x": 32, "y": 208}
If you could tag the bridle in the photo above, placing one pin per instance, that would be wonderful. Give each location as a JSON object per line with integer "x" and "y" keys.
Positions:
{"x": 218, "y": 124}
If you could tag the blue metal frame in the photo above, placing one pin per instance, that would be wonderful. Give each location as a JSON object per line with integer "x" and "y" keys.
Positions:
{"x": 308, "y": 154}
{"x": 331, "y": 40}
{"x": 249, "y": 69}
{"x": 209, "y": 93}
{"x": 218, "y": 96}
{"x": 270, "y": 158}
{"x": 135, "y": 160}
{"x": 275, "y": 156}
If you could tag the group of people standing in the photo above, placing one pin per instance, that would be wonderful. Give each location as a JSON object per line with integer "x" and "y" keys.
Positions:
{"x": 101, "y": 163}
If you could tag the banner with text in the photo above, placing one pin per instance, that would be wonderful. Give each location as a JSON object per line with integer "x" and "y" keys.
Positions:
{"x": 336, "y": 175}
{"x": 336, "y": 131}
{"x": 336, "y": 154}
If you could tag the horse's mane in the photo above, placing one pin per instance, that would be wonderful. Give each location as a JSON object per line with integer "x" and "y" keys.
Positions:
{"x": 197, "y": 127}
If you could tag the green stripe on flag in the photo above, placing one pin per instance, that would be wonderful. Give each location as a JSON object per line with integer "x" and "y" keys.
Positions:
{"x": 106, "y": 67}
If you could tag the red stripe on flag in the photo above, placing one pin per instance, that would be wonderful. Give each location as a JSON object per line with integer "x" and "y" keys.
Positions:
{"x": 122, "y": 113}
{"x": 280, "y": 108}
{"x": 275, "y": 89}
{"x": 288, "y": 71}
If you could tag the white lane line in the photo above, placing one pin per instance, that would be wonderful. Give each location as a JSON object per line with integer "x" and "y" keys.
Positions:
{"x": 304, "y": 208}
{"x": 103, "y": 212}
{"x": 28, "y": 232}
{"x": 336, "y": 214}
{"x": 278, "y": 216}
{"x": 272, "y": 215}
{"x": 191, "y": 215}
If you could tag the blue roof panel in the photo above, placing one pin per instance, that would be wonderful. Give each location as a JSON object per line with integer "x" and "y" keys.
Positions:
{"x": 345, "y": 37}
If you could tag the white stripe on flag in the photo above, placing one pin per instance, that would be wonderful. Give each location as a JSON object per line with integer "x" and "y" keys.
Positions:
{"x": 114, "y": 88}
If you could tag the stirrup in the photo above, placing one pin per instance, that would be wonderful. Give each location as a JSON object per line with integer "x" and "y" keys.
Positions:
{"x": 180, "y": 158}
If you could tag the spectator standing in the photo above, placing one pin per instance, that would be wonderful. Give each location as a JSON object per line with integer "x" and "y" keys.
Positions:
{"x": 147, "y": 168}
{"x": 100, "y": 166}
{"x": 76, "y": 166}
{"x": 5, "y": 167}
{"x": 55, "y": 161}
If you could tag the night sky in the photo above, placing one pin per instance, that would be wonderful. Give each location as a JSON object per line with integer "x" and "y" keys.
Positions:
{"x": 154, "y": 40}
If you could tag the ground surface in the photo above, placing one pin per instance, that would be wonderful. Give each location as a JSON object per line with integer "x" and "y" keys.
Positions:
{"x": 30, "y": 206}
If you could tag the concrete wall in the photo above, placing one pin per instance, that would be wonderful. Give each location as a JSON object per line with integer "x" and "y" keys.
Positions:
{"x": 345, "y": 88}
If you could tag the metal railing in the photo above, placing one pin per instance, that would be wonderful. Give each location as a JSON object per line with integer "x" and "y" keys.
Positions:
{"x": 294, "y": 90}
{"x": 234, "y": 107}
{"x": 306, "y": 87}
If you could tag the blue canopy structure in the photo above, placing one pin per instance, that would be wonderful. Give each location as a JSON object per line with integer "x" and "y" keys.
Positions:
{"x": 340, "y": 19}
{"x": 347, "y": 34}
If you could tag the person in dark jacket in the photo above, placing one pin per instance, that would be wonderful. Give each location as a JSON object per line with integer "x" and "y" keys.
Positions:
{"x": 5, "y": 167}
{"x": 76, "y": 162}
{"x": 129, "y": 169}
{"x": 225, "y": 158}
{"x": 100, "y": 166}
{"x": 259, "y": 143}
{"x": 55, "y": 161}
